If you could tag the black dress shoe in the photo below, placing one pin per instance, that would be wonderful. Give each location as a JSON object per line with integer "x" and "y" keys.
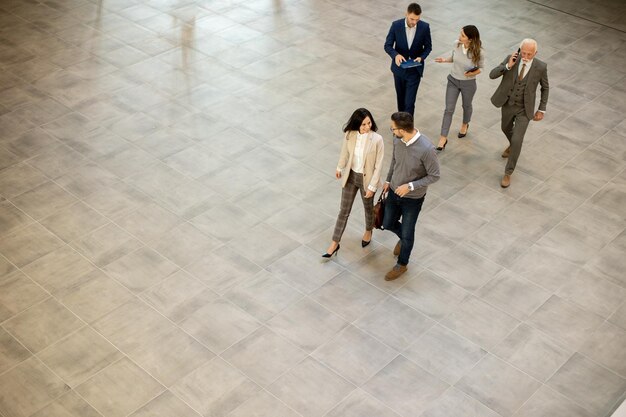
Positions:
{"x": 441, "y": 148}
{"x": 328, "y": 255}
{"x": 462, "y": 135}
{"x": 364, "y": 243}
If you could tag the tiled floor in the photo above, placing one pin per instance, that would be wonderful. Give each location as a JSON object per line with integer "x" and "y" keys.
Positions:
{"x": 166, "y": 190}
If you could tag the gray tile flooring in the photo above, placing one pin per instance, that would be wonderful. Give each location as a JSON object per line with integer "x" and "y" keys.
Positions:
{"x": 166, "y": 190}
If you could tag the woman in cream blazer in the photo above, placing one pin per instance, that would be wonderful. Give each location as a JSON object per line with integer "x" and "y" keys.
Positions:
{"x": 359, "y": 169}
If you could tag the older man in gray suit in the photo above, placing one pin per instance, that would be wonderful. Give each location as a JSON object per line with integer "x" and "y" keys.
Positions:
{"x": 516, "y": 96}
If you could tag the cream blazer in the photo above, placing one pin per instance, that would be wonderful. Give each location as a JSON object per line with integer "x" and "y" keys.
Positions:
{"x": 374, "y": 153}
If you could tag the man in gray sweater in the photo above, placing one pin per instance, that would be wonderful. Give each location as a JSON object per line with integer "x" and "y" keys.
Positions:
{"x": 414, "y": 166}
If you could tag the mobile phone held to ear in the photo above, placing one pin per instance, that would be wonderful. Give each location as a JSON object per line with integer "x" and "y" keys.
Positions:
{"x": 517, "y": 56}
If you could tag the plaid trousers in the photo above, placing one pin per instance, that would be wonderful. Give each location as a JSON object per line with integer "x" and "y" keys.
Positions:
{"x": 348, "y": 193}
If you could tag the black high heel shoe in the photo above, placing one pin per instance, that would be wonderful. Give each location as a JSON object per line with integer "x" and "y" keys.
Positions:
{"x": 441, "y": 148}
{"x": 462, "y": 135}
{"x": 328, "y": 255}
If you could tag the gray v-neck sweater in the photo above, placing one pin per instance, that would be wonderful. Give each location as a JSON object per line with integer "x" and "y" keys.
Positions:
{"x": 416, "y": 164}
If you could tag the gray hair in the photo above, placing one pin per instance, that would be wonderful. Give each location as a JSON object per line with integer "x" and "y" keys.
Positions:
{"x": 529, "y": 41}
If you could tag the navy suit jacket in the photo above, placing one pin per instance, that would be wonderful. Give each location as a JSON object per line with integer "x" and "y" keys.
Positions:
{"x": 396, "y": 43}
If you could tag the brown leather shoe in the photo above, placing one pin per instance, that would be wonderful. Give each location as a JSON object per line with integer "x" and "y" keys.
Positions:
{"x": 396, "y": 250}
{"x": 506, "y": 181}
{"x": 395, "y": 272}
{"x": 506, "y": 152}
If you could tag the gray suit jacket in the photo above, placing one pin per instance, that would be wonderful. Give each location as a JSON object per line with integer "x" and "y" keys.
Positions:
{"x": 538, "y": 74}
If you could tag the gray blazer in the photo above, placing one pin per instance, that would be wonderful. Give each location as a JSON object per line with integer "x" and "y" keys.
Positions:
{"x": 538, "y": 74}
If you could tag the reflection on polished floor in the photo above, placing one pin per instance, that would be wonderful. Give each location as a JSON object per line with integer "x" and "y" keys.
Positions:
{"x": 166, "y": 190}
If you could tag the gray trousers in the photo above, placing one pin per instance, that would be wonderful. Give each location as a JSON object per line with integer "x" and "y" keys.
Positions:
{"x": 348, "y": 193}
{"x": 467, "y": 89}
{"x": 514, "y": 125}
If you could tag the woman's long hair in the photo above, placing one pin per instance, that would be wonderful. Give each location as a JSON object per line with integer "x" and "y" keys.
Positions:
{"x": 475, "y": 44}
{"x": 354, "y": 123}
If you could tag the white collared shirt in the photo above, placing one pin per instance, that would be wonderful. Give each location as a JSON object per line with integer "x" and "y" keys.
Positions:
{"x": 526, "y": 69}
{"x": 358, "y": 160}
{"x": 413, "y": 139}
{"x": 409, "y": 143}
{"x": 410, "y": 33}
{"x": 519, "y": 67}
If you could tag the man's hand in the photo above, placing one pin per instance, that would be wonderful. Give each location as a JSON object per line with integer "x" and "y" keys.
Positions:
{"x": 538, "y": 116}
{"x": 369, "y": 194}
{"x": 402, "y": 190}
{"x": 418, "y": 59}
{"x": 512, "y": 60}
{"x": 399, "y": 59}
{"x": 385, "y": 187}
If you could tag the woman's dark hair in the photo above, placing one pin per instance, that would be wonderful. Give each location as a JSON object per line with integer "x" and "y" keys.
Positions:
{"x": 414, "y": 8}
{"x": 475, "y": 44}
{"x": 403, "y": 120}
{"x": 354, "y": 123}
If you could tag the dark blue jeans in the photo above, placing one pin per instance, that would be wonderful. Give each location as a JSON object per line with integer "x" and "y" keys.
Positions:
{"x": 409, "y": 209}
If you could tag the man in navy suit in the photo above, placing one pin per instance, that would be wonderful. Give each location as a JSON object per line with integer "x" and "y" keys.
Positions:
{"x": 408, "y": 39}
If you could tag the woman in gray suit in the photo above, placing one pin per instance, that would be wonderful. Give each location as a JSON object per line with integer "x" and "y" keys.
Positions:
{"x": 359, "y": 168}
{"x": 467, "y": 58}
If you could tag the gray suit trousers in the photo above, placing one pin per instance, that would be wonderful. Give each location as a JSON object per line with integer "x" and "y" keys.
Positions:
{"x": 514, "y": 125}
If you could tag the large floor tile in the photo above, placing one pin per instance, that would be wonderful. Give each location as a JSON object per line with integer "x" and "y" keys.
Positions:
{"x": 498, "y": 385}
{"x": 513, "y": 294}
{"x": 69, "y": 405}
{"x": 28, "y": 244}
{"x": 172, "y": 356}
{"x": 43, "y": 324}
{"x": 348, "y": 296}
{"x": 361, "y": 404}
{"x": 589, "y": 384}
{"x": 11, "y": 351}
{"x": 132, "y": 325}
{"x": 222, "y": 269}
{"x": 18, "y": 293}
{"x": 479, "y": 322}
{"x": 405, "y": 387}
{"x": 464, "y": 268}
{"x": 215, "y": 389}
{"x": 141, "y": 269}
{"x": 564, "y": 321}
{"x": 218, "y": 324}
{"x": 533, "y": 352}
{"x": 605, "y": 346}
{"x": 28, "y": 387}
{"x": 166, "y": 404}
{"x": 445, "y": 354}
{"x": 394, "y": 323}
{"x": 263, "y": 296}
{"x": 310, "y": 388}
{"x": 79, "y": 356}
{"x": 119, "y": 389}
{"x": 432, "y": 295}
{"x": 307, "y": 324}
{"x": 355, "y": 355}
{"x": 546, "y": 402}
{"x": 454, "y": 403}
{"x": 264, "y": 356}
{"x": 178, "y": 295}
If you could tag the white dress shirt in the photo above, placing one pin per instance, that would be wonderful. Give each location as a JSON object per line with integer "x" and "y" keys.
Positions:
{"x": 358, "y": 160}
{"x": 410, "y": 33}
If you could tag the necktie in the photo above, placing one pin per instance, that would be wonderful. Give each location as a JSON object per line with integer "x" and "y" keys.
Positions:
{"x": 521, "y": 73}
